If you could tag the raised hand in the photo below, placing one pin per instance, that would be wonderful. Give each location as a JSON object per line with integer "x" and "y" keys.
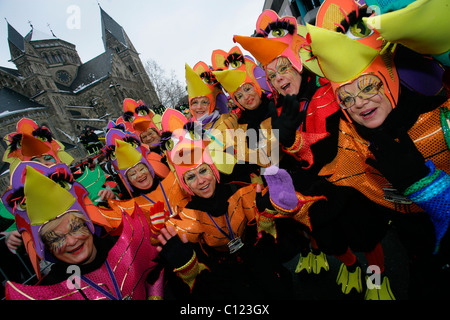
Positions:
{"x": 289, "y": 119}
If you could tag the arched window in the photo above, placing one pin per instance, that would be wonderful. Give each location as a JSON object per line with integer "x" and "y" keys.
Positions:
{"x": 47, "y": 59}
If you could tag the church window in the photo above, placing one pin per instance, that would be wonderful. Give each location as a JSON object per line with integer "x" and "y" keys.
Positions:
{"x": 47, "y": 59}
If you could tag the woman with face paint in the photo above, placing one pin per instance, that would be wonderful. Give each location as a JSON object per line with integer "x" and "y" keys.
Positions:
{"x": 304, "y": 112}
{"x": 208, "y": 106}
{"x": 58, "y": 227}
{"x": 394, "y": 121}
{"x": 227, "y": 224}
{"x": 246, "y": 84}
{"x": 32, "y": 142}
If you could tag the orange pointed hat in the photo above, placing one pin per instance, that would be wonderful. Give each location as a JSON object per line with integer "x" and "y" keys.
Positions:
{"x": 276, "y": 37}
{"x": 139, "y": 115}
{"x": 31, "y": 140}
{"x": 345, "y": 48}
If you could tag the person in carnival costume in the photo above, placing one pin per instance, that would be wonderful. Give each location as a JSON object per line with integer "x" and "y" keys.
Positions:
{"x": 146, "y": 125}
{"x": 126, "y": 152}
{"x": 51, "y": 213}
{"x": 31, "y": 142}
{"x": 143, "y": 122}
{"x": 380, "y": 104}
{"x": 222, "y": 222}
{"x": 305, "y": 113}
{"x": 246, "y": 84}
{"x": 208, "y": 106}
{"x": 279, "y": 45}
{"x": 145, "y": 180}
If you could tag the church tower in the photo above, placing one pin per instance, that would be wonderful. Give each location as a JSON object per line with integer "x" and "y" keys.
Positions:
{"x": 115, "y": 38}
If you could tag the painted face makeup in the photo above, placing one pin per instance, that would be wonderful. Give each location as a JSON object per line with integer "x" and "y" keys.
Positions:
{"x": 201, "y": 181}
{"x": 365, "y": 101}
{"x": 46, "y": 159}
{"x": 71, "y": 241}
{"x": 284, "y": 78}
{"x": 247, "y": 97}
{"x": 150, "y": 137}
{"x": 140, "y": 177}
{"x": 200, "y": 106}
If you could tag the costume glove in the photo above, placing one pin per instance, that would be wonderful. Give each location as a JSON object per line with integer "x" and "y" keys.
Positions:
{"x": 399, "y": 161}
{"x": 289, "y": 119}
{"x": 281, "y": 188}
{"x": 158, "y": 216}
{"x": 176, "y": 253}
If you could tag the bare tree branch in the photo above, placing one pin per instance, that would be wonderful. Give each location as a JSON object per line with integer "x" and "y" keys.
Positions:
{"x": 171, "y": 92}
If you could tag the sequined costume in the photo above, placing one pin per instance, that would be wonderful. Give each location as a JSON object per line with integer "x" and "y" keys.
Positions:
{"x": 366, "y": 52}
{"x": 277, "y": 37}
{"x": 121, "y": 277}
{"x": 233, "y": 70}
{"x": 349, "y": 168}
{"x": 227, "y": 228}
{"x": 40, "y": 194}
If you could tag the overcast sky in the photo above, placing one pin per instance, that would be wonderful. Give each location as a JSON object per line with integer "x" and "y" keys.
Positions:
{"x": 171, "y": 32}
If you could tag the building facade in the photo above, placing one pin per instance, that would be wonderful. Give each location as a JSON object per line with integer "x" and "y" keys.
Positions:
{"x": 53, "y": 87}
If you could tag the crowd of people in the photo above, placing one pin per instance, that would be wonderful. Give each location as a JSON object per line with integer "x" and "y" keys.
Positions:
{"x": 314, "y": 147}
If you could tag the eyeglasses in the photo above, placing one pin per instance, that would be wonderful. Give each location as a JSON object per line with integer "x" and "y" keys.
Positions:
{"x": 56, "y": 241}
{"x": 281, "y": 70}
{"x": 367, "y": 92}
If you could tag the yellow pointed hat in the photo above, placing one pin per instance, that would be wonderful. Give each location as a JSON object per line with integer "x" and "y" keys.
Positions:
{"x": 422, "y": 26}
{"x": 45, "y": 198}
{"x": 340, "y": 57}
{"x": 230, "y": 80}
{"x": 127, "y": 155}
{"x": 195, "y": 85}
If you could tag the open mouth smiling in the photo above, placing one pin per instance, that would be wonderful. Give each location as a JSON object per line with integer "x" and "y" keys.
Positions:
{"x": 77, "y": 250}
{"x": 367, "y": 113}
{"x": 285, "y": 87}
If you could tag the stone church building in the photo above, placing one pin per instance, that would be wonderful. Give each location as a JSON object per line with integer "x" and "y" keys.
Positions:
{"x": 53, "y": 87}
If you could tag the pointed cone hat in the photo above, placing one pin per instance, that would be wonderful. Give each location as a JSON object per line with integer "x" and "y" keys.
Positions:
{"x": 340, "y": 57}
{"x": 195, "y": 85}
{"x": 127, "y": 156}
{"x": 422, "y": 26}
{"x": 230, "y": 80}
{"x": 45, "y": 198}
